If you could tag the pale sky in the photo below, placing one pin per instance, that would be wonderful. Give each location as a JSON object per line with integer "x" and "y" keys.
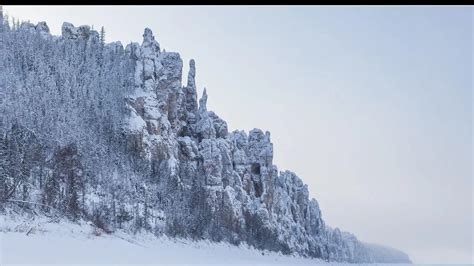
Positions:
{"x": 370, "y": 106}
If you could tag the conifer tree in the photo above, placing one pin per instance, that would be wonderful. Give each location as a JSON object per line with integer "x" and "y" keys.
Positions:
{"x": 102, "y": 36}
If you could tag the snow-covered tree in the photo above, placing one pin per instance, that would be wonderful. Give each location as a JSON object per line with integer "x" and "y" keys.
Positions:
{"x": 92, "y": 130}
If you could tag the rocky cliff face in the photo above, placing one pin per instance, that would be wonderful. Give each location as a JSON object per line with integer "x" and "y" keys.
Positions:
{"x": 172, "y": 166}
{"x": 243, "y": 195}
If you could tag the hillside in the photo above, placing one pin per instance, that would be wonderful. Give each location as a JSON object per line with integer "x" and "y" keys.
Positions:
{"x": 94, "y": 131}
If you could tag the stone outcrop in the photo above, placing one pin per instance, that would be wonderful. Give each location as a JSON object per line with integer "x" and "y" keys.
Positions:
{"x": 84, "y": 32}
{"x": 239, "y": 195}
{"x": 177, "y": 168}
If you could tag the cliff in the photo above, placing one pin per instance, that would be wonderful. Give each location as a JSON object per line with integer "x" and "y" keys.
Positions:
{"x": 110, "y": 134}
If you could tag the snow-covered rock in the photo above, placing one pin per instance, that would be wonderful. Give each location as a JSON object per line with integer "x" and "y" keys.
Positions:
{"x": 83, "y": 32}
{"x": 69, "y": 31}
{"x": 42, "y": 26}
{"x": 174, "y": 167}
{"x": 234, "y": 174}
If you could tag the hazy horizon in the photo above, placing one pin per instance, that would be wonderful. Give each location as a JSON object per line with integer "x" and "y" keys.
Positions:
{"x": 370, "y": 106}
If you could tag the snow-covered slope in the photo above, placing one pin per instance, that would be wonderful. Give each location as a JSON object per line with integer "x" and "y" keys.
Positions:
{"x": 109, "y": 134}
{"x": 41, "y": 241}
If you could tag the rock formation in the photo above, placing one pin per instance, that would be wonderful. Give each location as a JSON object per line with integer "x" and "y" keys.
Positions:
{"x": 245, "y": 196}
{"x": 147, "y": 154}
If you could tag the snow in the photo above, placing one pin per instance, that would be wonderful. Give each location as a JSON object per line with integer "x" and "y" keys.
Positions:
{"x": 136, "y": 123}
{"x": 214, "y": 184}
{"x": 68, "y": 243}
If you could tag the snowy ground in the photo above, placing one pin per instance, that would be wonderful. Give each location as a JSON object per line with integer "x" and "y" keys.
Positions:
{"x": 41, "y": 241}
